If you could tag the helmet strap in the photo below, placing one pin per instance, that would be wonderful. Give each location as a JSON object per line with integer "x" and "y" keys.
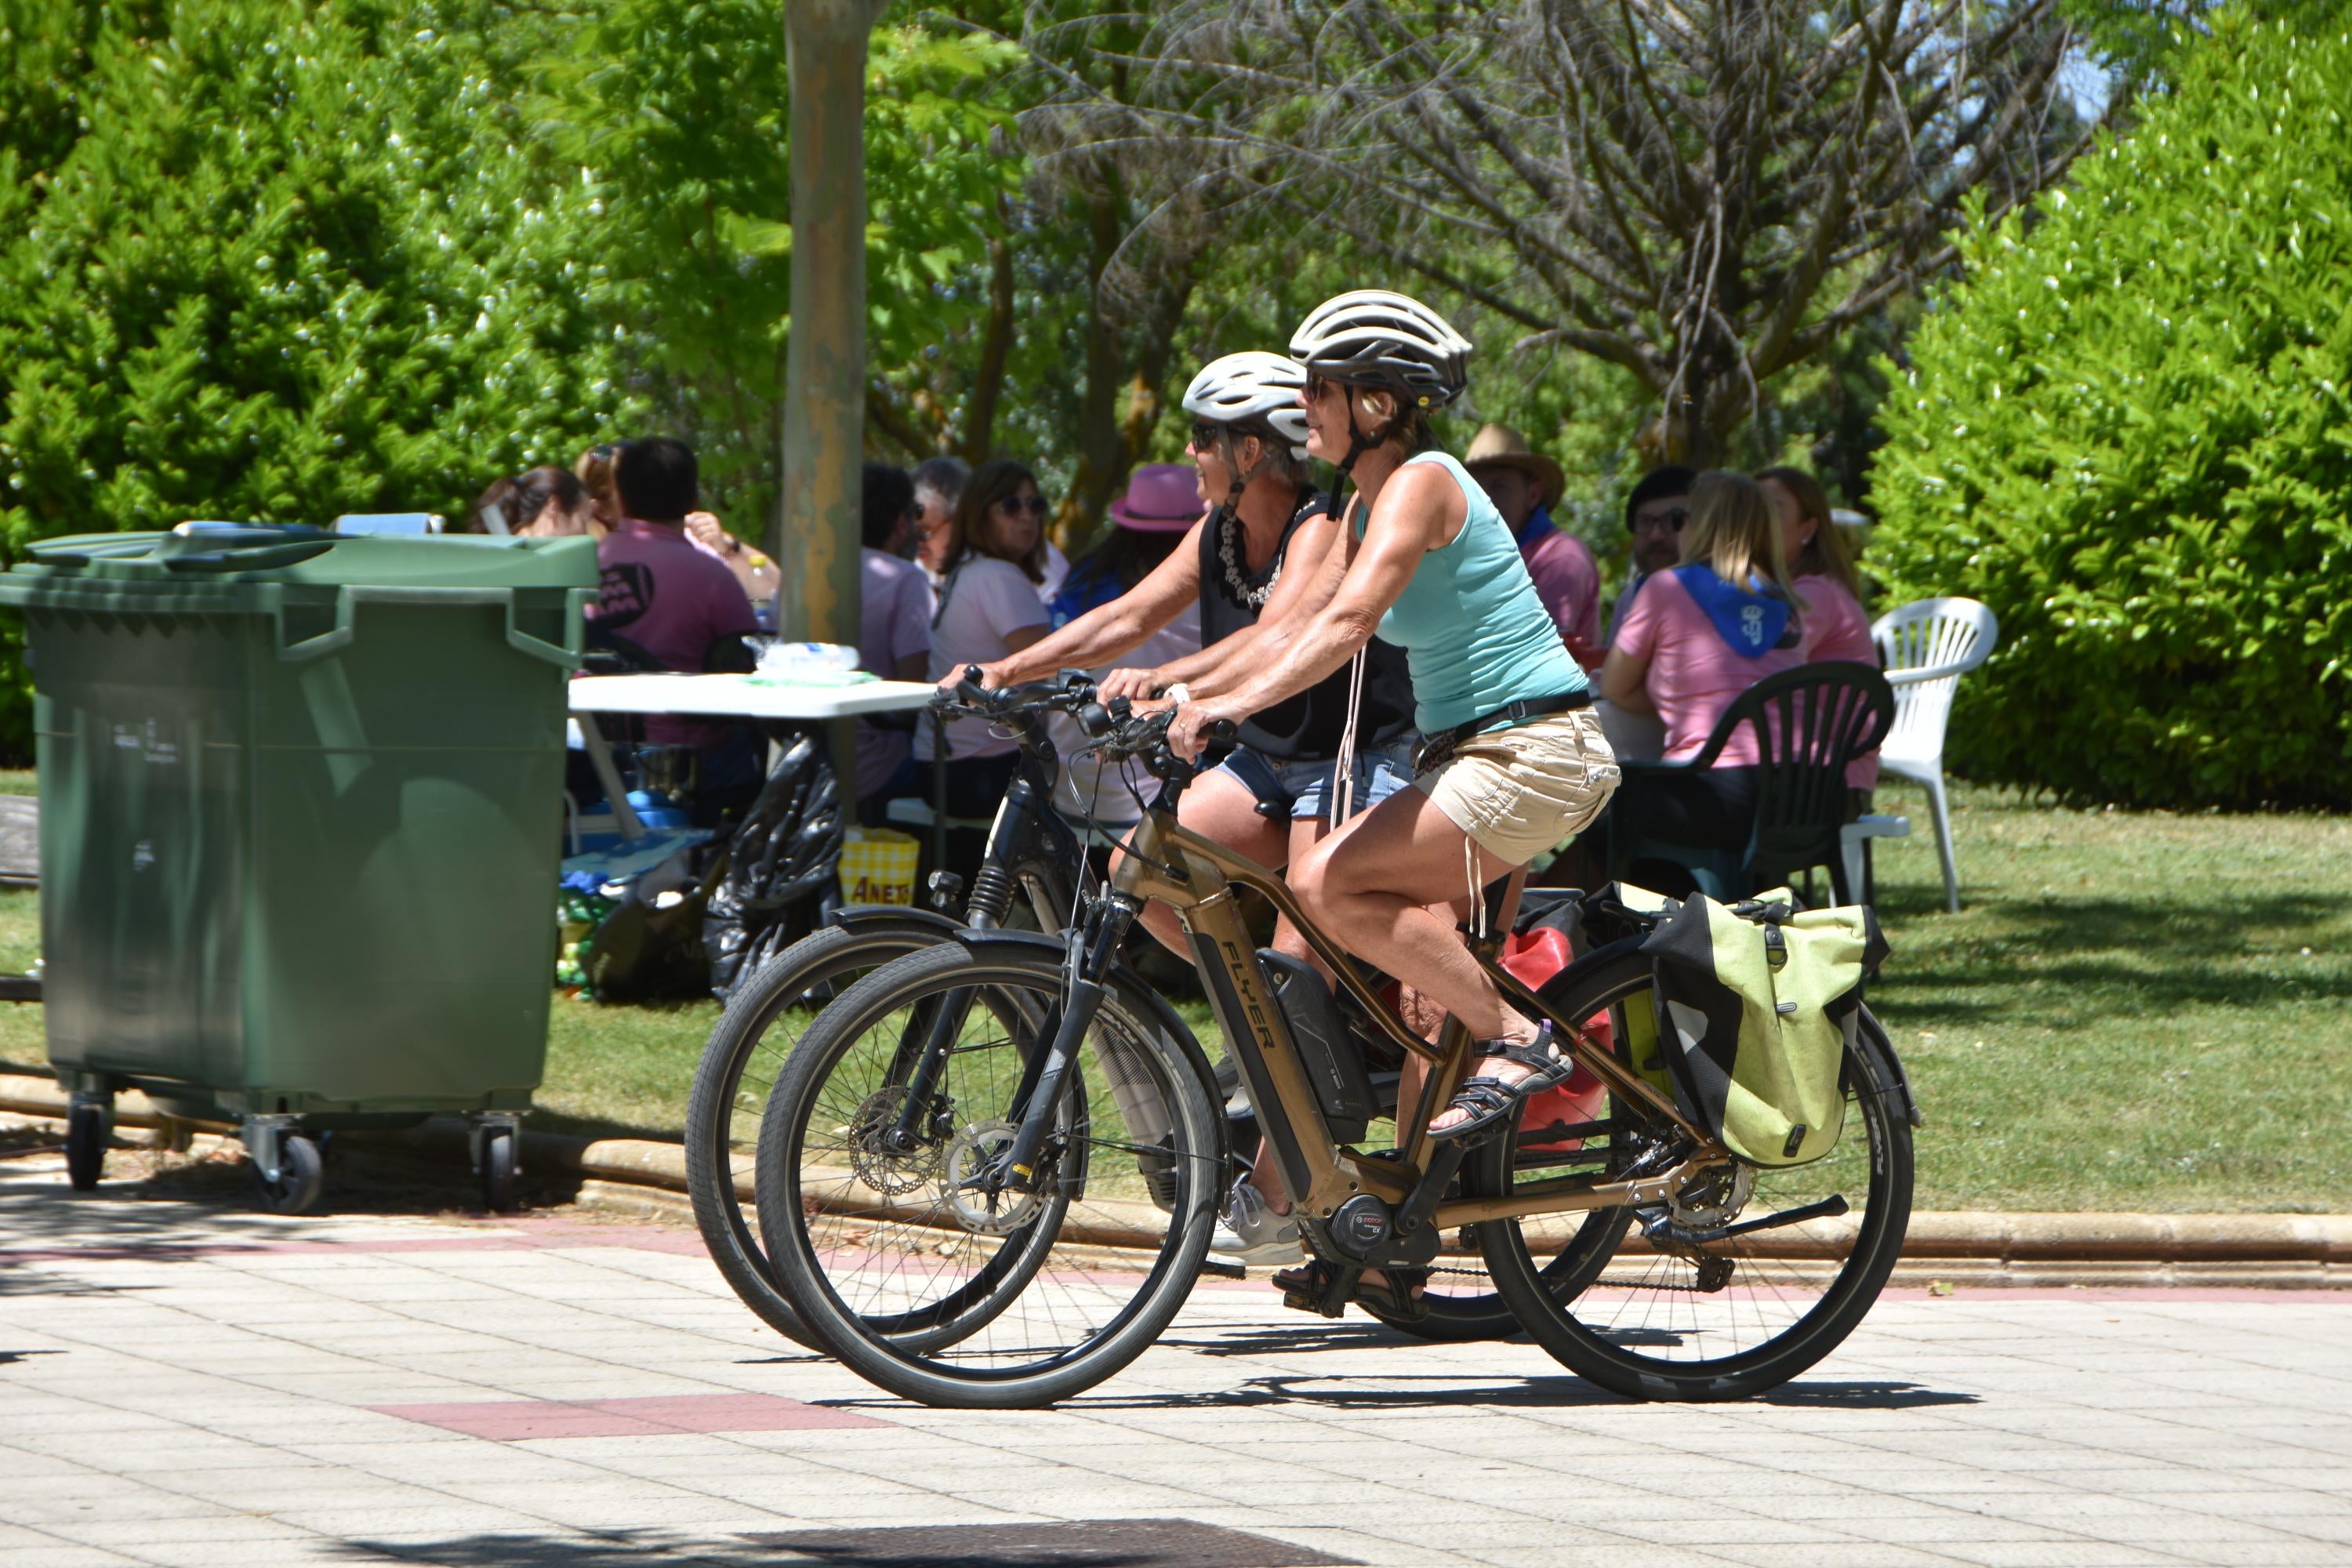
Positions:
{"x": 1358, "y": 443}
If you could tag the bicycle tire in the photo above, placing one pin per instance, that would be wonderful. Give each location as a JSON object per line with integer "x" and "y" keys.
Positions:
{"x": 821, "y": 1220}
{"x": 1472, "y": 1317}
{"x": 717, "y": 1161}
{"x": 1605, "y": 1332}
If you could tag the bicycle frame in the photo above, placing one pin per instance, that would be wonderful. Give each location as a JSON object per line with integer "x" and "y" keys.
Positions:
{"x": 1197, "y": 876}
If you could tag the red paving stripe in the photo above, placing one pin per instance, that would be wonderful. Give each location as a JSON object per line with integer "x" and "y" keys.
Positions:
{"x": 518, "y": 1420}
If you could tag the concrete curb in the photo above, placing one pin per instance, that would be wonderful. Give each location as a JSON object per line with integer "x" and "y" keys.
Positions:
{"x": 2037, "y": 1249}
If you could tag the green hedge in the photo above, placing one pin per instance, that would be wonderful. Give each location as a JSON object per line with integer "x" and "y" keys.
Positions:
{"x": 2128, "y": 430}
{"x": 266, "y": 260}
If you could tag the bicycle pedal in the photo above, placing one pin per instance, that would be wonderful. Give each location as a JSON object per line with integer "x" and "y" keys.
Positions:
{"x": 1304, "y": 1302}
{"x": 1219, "y": 1268}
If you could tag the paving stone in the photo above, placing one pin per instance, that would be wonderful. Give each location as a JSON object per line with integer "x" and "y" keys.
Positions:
{"x": 211, "y": 1405}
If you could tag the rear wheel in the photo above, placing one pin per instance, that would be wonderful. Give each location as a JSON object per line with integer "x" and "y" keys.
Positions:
{"x": 1662, "y": 1317}
{"x": 906, "y": 1260}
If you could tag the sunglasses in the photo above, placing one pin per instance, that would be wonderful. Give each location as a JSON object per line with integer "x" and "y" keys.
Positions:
{"x": 1673, "y": 519}
{"x": 1014, "y": 506}
{"x": 1205, "y": 436}
{"x": 1316, "y": 385}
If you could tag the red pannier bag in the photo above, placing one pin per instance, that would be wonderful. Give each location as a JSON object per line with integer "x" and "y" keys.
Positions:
{"x": 1532, "y": 958}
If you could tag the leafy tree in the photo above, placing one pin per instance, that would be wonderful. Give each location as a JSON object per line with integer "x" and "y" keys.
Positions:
{"x": 291, "y": 261}
{"x": 678, "y": 109}
{"x": 2127, "y": 431}
{"x": 1705, "y": 196}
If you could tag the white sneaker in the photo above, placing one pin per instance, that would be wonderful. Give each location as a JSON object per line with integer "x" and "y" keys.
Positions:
{"x": 1254, "y": 1233}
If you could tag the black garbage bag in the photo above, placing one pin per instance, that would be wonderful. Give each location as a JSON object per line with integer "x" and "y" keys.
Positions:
{"x": 650, "y": 948}
{"x": 780, "y": 862}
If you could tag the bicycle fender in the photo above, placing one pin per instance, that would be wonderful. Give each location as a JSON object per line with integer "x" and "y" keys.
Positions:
{"x": 1885, "y": 1042}
{"x": 852, "y": 916}
{"x": 1147, "y": 1003}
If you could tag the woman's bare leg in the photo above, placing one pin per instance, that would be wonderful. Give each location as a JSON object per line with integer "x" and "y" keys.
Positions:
{"x": 1371, "y": 885}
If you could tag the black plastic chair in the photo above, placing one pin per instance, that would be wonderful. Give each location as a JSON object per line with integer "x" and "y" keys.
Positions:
{"x": 1810, "y": 722}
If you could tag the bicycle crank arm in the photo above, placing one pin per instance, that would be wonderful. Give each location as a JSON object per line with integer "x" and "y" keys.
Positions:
{"x": 1828, "y": 1208}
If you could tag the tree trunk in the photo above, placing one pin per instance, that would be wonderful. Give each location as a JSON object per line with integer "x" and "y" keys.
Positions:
{"x": 979, "y": 439}
{"x": 825, "y": 363}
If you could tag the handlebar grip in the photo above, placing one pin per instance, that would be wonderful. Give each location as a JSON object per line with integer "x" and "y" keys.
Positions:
{"x": 1221, "y": 732}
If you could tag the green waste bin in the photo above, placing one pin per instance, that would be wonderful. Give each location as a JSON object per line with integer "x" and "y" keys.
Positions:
{"x": 301, "y": 813}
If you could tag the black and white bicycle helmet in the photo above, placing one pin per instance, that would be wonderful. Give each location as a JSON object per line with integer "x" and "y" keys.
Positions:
{"x": 1372, "y": 337}
{"x": 1252, "y": 391}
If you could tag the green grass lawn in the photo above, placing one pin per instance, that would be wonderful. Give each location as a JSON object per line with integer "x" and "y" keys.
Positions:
{"x": 2132, "y": 1011}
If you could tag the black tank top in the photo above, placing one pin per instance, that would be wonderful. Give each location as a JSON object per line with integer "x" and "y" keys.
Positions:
{"x": 1306, "y": 726}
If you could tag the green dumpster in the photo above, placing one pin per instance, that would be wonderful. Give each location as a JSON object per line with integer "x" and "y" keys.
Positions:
{"x": 301, "y": 802}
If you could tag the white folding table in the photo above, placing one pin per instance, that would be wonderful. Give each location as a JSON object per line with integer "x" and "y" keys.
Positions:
{"x": 723, "y": 696}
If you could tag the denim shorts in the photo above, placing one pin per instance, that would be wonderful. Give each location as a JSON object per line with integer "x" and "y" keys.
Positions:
{"x": 1302, "y": 790}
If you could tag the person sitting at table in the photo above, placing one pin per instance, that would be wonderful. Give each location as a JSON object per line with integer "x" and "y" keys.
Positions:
{"x": 894, "y": 631}
{"x": 1821, "y": 571}
{"x": 544, "y": 503}
{"x": 662, "y": 594}
{"x": 988, "y": 608}
{"x": 1693, "y": 639}
{"x": 1523, "y": 483}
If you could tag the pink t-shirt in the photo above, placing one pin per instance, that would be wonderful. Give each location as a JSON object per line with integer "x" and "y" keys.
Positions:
{"x": 1836, "y": 627}
{"x": 1694, "y": 675}
{"x": 1569, "y": 583}
{"x": 673, "y": 599}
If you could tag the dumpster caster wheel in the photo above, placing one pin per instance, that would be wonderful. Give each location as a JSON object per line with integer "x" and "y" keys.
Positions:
{"x": 301, "y": 1172}
{"x": 88, "y": 1125}
{"x": 499, "y": 1169}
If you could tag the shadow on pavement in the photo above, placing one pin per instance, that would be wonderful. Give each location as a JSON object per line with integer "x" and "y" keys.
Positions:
{"x": 1409, "y": 1391}
{"x": 620, "y": 1549}
{"x": 1864, "y": 1396}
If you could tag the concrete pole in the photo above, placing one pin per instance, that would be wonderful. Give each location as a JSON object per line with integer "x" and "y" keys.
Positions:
{"x": 825, "y": 363}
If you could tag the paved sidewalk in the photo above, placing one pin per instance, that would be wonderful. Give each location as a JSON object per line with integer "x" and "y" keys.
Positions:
{"x": 183, "y": 1382}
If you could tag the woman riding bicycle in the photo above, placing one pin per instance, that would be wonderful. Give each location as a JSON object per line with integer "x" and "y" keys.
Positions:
{"x": 1513, "y": 761}
{"x": 1251, "y": 563}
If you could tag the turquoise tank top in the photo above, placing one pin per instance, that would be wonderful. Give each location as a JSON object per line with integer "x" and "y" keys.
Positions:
{"x": 1475, "y": 636}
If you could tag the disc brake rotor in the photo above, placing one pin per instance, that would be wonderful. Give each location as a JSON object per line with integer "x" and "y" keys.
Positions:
{"x": 970, "y": 1154}
{"x": 1713, "y": 1199}
{"x": 891, "y": 1171}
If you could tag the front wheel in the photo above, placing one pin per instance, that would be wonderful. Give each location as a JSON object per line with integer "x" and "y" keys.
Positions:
{"x": 764, "y": 1021}
{"x": 1660, "y": 1317}
{"x": 910, "y": 1256}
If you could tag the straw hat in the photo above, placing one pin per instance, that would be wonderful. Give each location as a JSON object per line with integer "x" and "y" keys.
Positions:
{"x": 1500, "y": 446}
{"x": 1161, "y": 497}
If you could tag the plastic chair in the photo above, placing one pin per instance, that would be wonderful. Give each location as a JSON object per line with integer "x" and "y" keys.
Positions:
{"x": 1926, "y": 647}
{"x": 1809, "y": 723}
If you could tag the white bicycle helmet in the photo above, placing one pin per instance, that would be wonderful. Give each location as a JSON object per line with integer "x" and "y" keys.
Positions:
{"x": 1252, "y": 387}
{"x": 1372, "y": 337}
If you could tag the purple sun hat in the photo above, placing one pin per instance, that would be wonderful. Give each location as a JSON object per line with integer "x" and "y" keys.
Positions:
{"x": 1161, "y": 497}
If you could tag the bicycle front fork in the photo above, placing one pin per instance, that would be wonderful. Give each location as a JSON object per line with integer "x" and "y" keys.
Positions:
{"x": 1090, "y": 951}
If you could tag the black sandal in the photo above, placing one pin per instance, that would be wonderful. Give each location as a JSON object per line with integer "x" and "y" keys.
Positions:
{"x": 1398, "y": 1295}
{"x": 1490, "y": 1100}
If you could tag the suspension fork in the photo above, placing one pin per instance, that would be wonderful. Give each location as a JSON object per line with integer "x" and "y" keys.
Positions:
{"x": 1014, "y": 844}
{"x": 1092, "y": 951}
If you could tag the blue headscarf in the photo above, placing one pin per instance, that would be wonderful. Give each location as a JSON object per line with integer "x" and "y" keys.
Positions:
{"x": 1752, "y": 621}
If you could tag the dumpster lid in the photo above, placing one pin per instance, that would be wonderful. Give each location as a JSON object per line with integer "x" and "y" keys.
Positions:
{"x": 201, "y": 551}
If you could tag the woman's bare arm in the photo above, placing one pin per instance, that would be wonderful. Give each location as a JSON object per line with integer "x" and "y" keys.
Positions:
{"x": 1420, "y": 507}
{"x": 1106, "y": 631}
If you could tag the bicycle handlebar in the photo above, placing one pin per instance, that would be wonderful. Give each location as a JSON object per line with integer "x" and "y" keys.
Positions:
{"x": 1114, "y": 729}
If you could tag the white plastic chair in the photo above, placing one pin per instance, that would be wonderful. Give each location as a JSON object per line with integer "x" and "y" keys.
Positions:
{"x": 1926, "y": 647}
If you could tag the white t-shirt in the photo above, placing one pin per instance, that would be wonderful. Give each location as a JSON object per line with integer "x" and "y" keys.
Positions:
{"x": 1108, "y": 793}
{"x": 982, "y": 600}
